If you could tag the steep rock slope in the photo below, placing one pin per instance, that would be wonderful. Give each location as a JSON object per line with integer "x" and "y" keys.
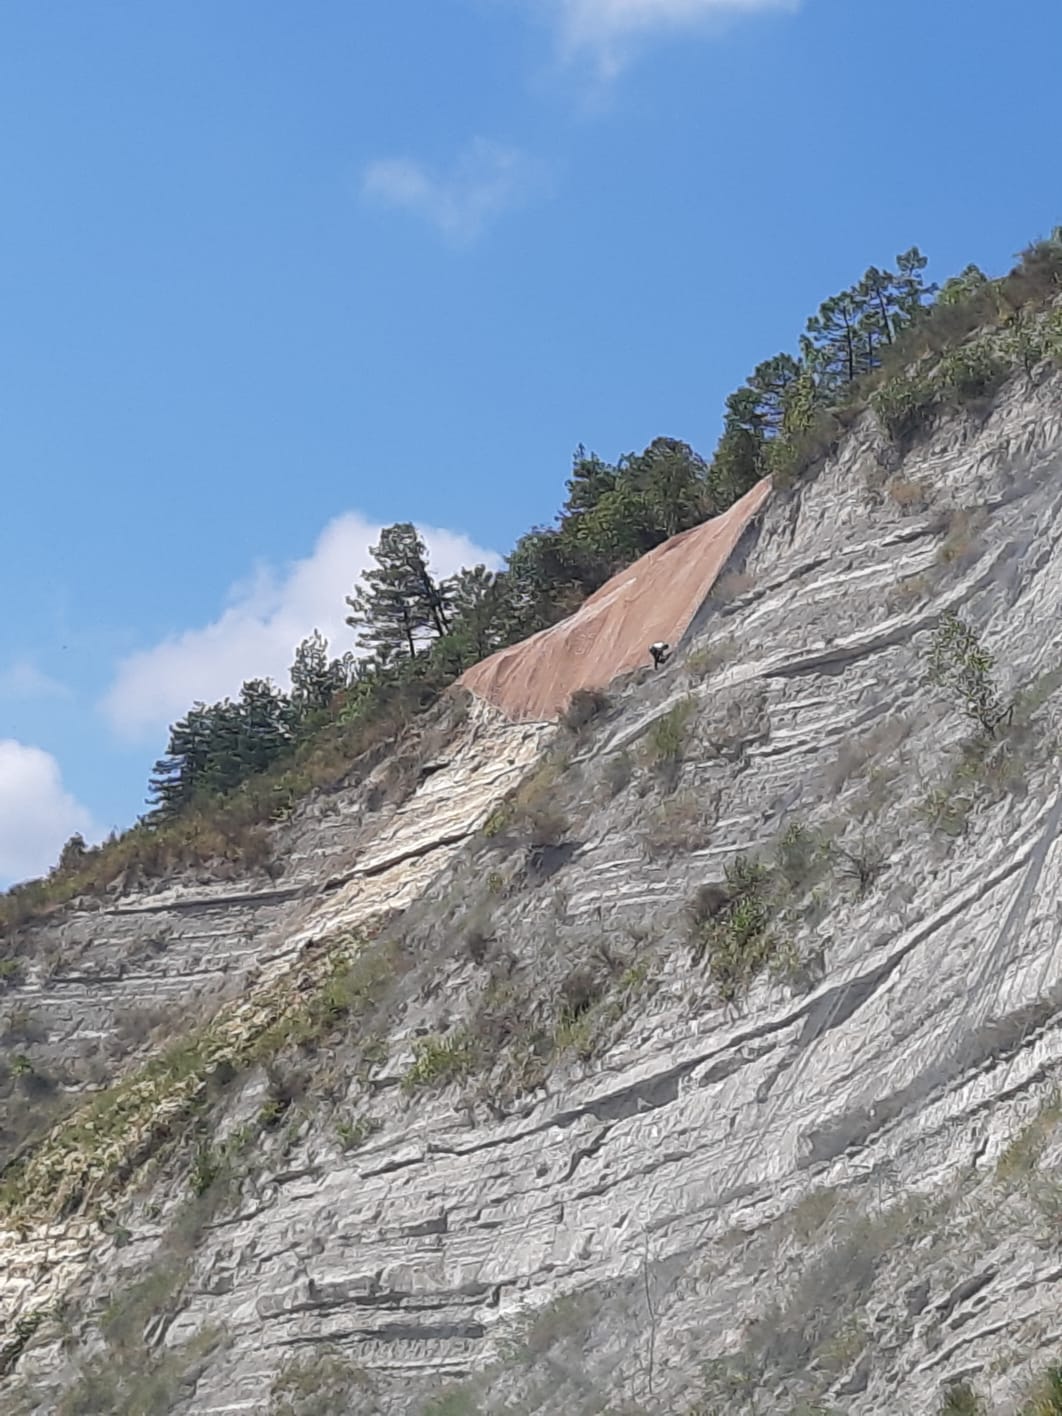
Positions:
{"x": 585, "y": 1182}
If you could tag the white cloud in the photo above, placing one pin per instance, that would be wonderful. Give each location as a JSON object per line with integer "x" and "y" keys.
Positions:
{"x": 37, "y": 813}
{"x": 24, "y": 680}
{"x": 609, "y": 28}
{"x": 255, "y": 636}
{"x": 486, "y": 180}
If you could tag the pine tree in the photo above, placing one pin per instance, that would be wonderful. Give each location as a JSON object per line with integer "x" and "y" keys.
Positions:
{"x": 398, "y": 602}
{"x": 912, "y": 290}
{"x": 316, "y": 679}
{"x": 739, "y": 458}
{"x": 181, "y": 771}
{"x": 838, "y": 336}
{"x": 773, "y": 382}
{"x": 263, "y": 731}
{"x": 670, "y": 481}
{"x": 591, "y": 479}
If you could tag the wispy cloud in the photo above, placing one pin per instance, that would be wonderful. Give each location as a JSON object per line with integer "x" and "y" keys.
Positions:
{"x": 255, "y": 635}
{"x": 486, "y": 180}
{"x": 609, "y": 30}
{"x": 24, "y": 680}
{"x": 37, "y": 813}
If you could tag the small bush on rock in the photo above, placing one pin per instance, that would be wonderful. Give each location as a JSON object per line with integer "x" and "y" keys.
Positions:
{"x": 666, "y": 739}
{"x": 584, "y": 706}
{"x": 438, "y": 1061}
{"x": 961, "y": 1399}
{"x": 732, "y": 932}
{"x": 960, "y": 665}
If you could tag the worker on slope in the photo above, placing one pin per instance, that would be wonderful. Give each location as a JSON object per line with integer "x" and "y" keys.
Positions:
{"x": 660, "y": 651}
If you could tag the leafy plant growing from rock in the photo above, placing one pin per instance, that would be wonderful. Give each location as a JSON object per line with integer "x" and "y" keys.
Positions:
{"x": 960, "y": 665}
{"x": 732, "y": 929}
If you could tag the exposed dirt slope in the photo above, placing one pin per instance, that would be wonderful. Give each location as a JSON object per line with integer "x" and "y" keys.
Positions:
{"x": 654, "y": 599}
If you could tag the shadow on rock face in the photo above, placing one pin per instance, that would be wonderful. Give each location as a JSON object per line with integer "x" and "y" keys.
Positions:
{"x": 544, "y": 861}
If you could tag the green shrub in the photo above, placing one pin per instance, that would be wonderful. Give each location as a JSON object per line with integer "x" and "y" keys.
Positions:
{"x": 958, "y": 663}
{"x": 973, "y": 371}
{"x": 665, "y": 742}
{"x": 10, "y": 973}
{"x": 733, "y": 933}
{"x": 903, "y": 405}
{"x": 961, "y": 1399}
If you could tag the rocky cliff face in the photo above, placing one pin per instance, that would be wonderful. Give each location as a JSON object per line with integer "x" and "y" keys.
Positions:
{"x": 699, "y": 1055}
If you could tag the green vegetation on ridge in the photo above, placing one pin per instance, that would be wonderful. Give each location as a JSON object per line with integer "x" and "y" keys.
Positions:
{"x": 890, "y": 342}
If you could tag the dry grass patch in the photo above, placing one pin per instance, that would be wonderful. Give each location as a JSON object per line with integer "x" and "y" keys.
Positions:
{"x": 909, "y": 591}
{"x": 909, "y": 496}
{"x": 585, "y": 706}
{"x": 962, "y": 528}
{"x": 1021, "y": 1157}
{"x": 699, "y": 663}
{"x": 732, "y": 586}
{"x": 681, "y": 824}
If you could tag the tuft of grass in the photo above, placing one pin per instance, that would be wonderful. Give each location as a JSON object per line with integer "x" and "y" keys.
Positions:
{"x": 679, "y": 824}
{"x": 531, "y": 813}
{"x": 319, "y": 1382}
{"x": 1045, "y": 1399}
{"x": 667, "y": 736}
{"x": 565, "y": 1320}
{"x": 11, "y": 971}
{"x": 699, "y": 663}
{"x": 740, "y": 927}
{"x": 354, "y": 1133}
{"x": 439, "y": 1061}
{"x": 909, "y": 591}
{"x": 1022, "y": 1155}
{"x": 909, "y": 496}
{"x": 962, "y": 527}
{"x": 732, "y": 586}
{"x": 665, "y": 742}
{"x": 458, "y": 1400}
{"x": 616, "y": 773}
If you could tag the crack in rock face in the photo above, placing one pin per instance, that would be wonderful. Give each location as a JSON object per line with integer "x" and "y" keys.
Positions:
{"x": 702, "y": 1057}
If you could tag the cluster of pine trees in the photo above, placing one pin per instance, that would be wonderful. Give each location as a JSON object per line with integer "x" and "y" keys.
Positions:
{"x": 213, "y": 749}
{"x": 416, "y": 633}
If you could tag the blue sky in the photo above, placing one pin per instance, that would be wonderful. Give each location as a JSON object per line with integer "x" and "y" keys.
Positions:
{"x": 275, "y": 275}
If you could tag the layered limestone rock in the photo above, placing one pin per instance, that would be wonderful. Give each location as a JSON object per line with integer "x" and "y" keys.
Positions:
{"x": 838, "y": 1188}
